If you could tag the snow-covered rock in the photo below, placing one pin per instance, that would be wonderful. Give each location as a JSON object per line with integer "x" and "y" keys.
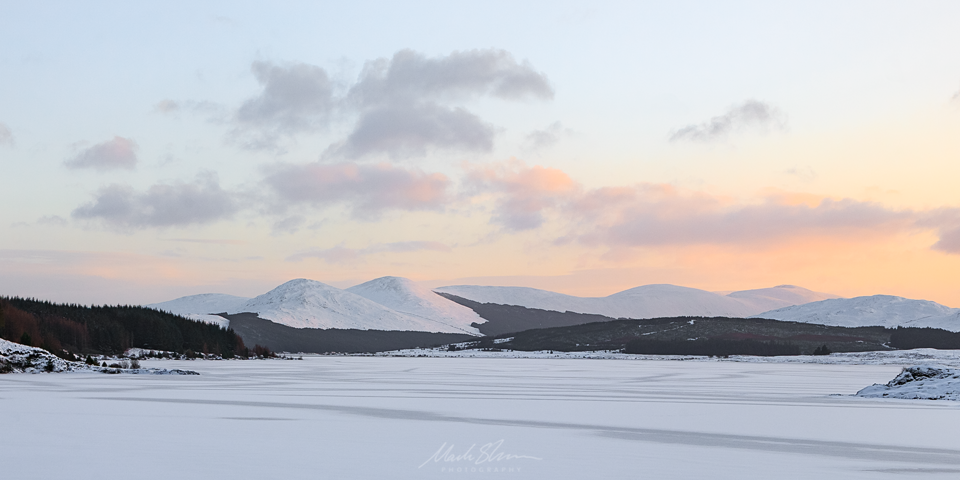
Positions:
{"x": 206, "y": 303}
{"x": 924, "y": 382}
{"x": 303, "y": 303}
{"x": 405, "y": 296}
{"x": 876, "y": 310}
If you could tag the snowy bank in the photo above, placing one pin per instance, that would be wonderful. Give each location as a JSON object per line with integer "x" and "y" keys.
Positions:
{"x": 924, "y": 382}
{"x": 17, "y": 358}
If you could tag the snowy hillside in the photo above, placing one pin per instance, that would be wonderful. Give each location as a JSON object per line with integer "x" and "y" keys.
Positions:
{"x": 876, "y": 310}
{"x": 405, "y": 296}
{"x": 766, "y": 299}
{"x": 647, "y": 301}
{"x": 306, "y": 303}
{"x": 200, "y": 304}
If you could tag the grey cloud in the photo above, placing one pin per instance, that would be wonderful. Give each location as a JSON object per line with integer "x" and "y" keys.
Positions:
{"x": 295, "y": 98}
{"x": 202, "y": 201}
{"x": 403, "y": 130}
{"x": 6, "y": 136}
{"x": 116, "y": 154}
{"x": 342, "y": 255}
{"x": 412, "y": 76}
{"x": 289, "y": 224}
{"x": 949, "y": 241}
{"x": 404, "y": 101}
{"x": 369, "y": 189}
{"x": 751, "y": 114}
{"x": 547, "y": 137}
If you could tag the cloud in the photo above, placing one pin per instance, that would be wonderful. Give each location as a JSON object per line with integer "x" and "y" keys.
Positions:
{"x": 342, "y": 255}
{"x": 410, "y": 77}
{"x": 200, "y": 202}
{"x": 410, "y": 130}
{"x": 402, "y": 106}
{"x": 404, "y": 102}
{"x": 6, "y": 136}
{"x": 369, "y": 189}
{"x": 119, "y": 153}
{"x": 289, "y": 224}
{"x": 52, "y": 220}
{"x": 524, "y": 192}
{"x": 167, "y": 106}
{"x": 547, "y": 137}
{"x": 751, "y": 114}
{"x": 655, "y": 215}
{"x": 295, "y": 97}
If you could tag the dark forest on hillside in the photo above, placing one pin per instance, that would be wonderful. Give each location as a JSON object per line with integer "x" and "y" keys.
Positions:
{"x": 110, "y": 329}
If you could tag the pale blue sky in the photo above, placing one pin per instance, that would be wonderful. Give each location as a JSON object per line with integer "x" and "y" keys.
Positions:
{"x": 863, "y": 91}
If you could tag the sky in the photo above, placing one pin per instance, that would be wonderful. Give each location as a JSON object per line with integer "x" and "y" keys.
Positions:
{"x": 152, "y": 150}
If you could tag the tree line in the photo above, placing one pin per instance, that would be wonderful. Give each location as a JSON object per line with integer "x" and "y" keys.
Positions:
{"x": 111, "y": 330}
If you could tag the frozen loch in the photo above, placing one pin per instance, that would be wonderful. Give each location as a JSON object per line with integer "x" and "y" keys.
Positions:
{"x": 333, "y": 417}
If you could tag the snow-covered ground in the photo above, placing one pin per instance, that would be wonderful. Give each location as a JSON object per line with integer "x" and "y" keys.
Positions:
{"x": 875, "y": 310}
{"x": 375, "y": 418}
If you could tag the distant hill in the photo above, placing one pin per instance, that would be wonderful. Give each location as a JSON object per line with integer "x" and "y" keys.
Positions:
{"x": 875, "y": 310}
{"x": 405, "y": 296}
{"x": 720, "y": 336}
{"x": 647, "y": 301}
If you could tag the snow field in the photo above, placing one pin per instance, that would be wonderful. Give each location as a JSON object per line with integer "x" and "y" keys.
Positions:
{"x": 373, "y": 417}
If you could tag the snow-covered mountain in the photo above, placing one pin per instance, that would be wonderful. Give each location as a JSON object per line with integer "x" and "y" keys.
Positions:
{"x": 306, "y": 303}
{"x": 405, "y": 296}
{"x": 205, "y": 303}
{"x": 875, "y": 310}
{"x": 766, "y": 299}
{"x": 647, "y": 301}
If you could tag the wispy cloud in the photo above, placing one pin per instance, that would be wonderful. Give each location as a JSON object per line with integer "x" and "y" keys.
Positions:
{"x": 368, "y": 189}
{"x": 6, "y": 135}
{"x": 200, "y": 202}
{"x": 117, "y": 154}
{"x": 749, "y": 115}
{"x": 343, "y": 255}
{"x": 524, "y": 192}
{"x": 548, "y": 137}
